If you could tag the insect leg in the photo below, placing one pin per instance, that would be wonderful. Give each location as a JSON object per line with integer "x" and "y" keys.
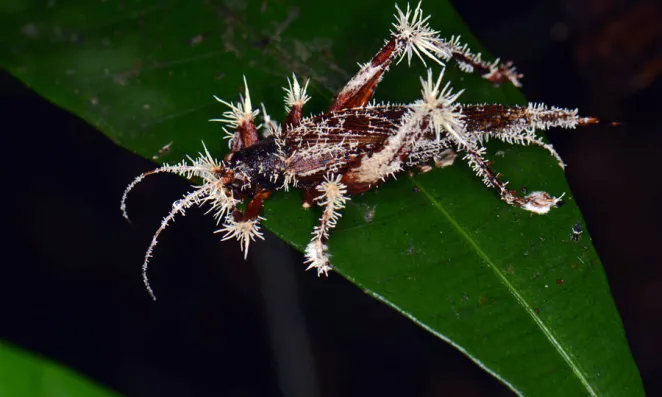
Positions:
{"x": 537, "y": 202}
{"x": 333, "y": 198}
{"x": 495, "y": 72}
{"x": 413, "y": 35}
{"x": 241, "y": 117}
{"x": 254, "y": 207}
{"x": 245, "y": 226}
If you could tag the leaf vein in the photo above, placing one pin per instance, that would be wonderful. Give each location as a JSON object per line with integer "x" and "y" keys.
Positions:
{"x": 576, "y": 368}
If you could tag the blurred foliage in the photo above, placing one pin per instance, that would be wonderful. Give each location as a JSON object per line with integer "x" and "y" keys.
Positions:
{"x": 24, "y": 374}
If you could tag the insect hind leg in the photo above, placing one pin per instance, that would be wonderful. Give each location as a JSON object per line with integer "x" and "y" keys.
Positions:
{"x": 537, "y": 202}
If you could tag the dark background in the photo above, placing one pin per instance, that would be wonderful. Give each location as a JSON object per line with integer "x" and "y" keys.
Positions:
{"x": 70, "y": 286}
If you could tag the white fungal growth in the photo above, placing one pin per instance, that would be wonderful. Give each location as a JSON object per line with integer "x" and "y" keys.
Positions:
{"x": 378, "y": 166}
{"x": 239, "y": 114}
{"x": 506, "y": 69}
{"x": 538, "y": 142}
{"x": 544, "y": 117}
{"x": 541, "y": 202}
{"x": 220, "y": 201}
{"x": 521, "y": 130}
{"x": 317, "y": 257}
{"x": 413, "y": 29}
{"x": 269, "y": 126}
{"x": 211, "y": 192}
{"x": 445, "y": 113}
{"x": 204, "y": 166}
{"x": 243, "y": 231}
{"x": 468, "y": 61}
{"x": 231, "y": 136}
{"x": 295, "y": 94}
{"x": 474, "y": 161}
{"x": 133, "y": 184}
{"x": 333, "y": 199}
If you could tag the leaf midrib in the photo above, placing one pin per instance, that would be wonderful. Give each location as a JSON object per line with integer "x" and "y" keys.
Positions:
{"x": 576, "y": 368}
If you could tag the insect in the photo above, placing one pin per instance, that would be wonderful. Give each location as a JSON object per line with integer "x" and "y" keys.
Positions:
{"x": 576, "y": 232}
{"x": 358, "y": 143}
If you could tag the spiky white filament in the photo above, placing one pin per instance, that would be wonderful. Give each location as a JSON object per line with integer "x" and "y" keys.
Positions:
{"x": 474, "y": 160}
{"x": 231, "y": 136}
{"x": 466, "y": 61}
{"x": 536, "y": 116}
{"x": 295, "y": 94}
{"x": 508, "y": 70}
{"x": 243, "y": 231}
{"x": 538, "y": 142}
{"x": 317, "y": 257}
{"x": 269, "y": 126}
{"x": 455, "y": 45}
{"x": 219, "y": 200}
{"x": 441, "y": 105}
{"x": 333, "y": 199}
{"x": 212, "y": 192}
{"x": 240, "y": 113}
{"x": 204, "y": 166}
{"x": 431, "y": 149}
{"x": 386, "y": 162}
{"x": 537, "y": 202}
{"x": 135, "y": 182}
{"x": 178, "y": 207}
{"x": 413, "y": 29}
{"x": 544, "y": 117}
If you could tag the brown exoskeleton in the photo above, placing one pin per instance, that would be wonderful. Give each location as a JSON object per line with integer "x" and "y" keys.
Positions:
{"x": 356, "y": 145}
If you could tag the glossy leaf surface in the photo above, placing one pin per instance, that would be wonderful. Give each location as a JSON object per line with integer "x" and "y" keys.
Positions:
{"x": 24, "y": 374}
{"x": 508, "y": 288}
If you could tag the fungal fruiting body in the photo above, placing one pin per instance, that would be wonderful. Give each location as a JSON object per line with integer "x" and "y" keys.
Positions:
{"x": 358, "y": 143}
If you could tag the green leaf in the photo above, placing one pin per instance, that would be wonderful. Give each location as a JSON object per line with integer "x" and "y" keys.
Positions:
{"x": 508, "y": 288}
{"x": 24, "y": 374}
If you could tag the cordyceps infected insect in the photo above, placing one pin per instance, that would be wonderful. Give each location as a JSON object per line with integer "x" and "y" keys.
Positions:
{"x": 358, "y": 144}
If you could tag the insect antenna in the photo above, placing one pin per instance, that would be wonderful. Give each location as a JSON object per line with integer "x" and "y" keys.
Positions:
{"x": 199, "y": 168}
{"x": 178, "y": 207}
{"x": 133, "y": 184}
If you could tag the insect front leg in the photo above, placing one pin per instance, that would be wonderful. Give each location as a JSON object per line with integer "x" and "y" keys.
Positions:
{"x": 245, "y": 226}
{"x": 240, "y": 117}
{"x": 333, "y": 197}
{"x": 537, "y": 202}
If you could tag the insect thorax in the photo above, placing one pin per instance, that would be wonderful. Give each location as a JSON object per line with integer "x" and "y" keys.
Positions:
{"x": 258, "y": 165}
